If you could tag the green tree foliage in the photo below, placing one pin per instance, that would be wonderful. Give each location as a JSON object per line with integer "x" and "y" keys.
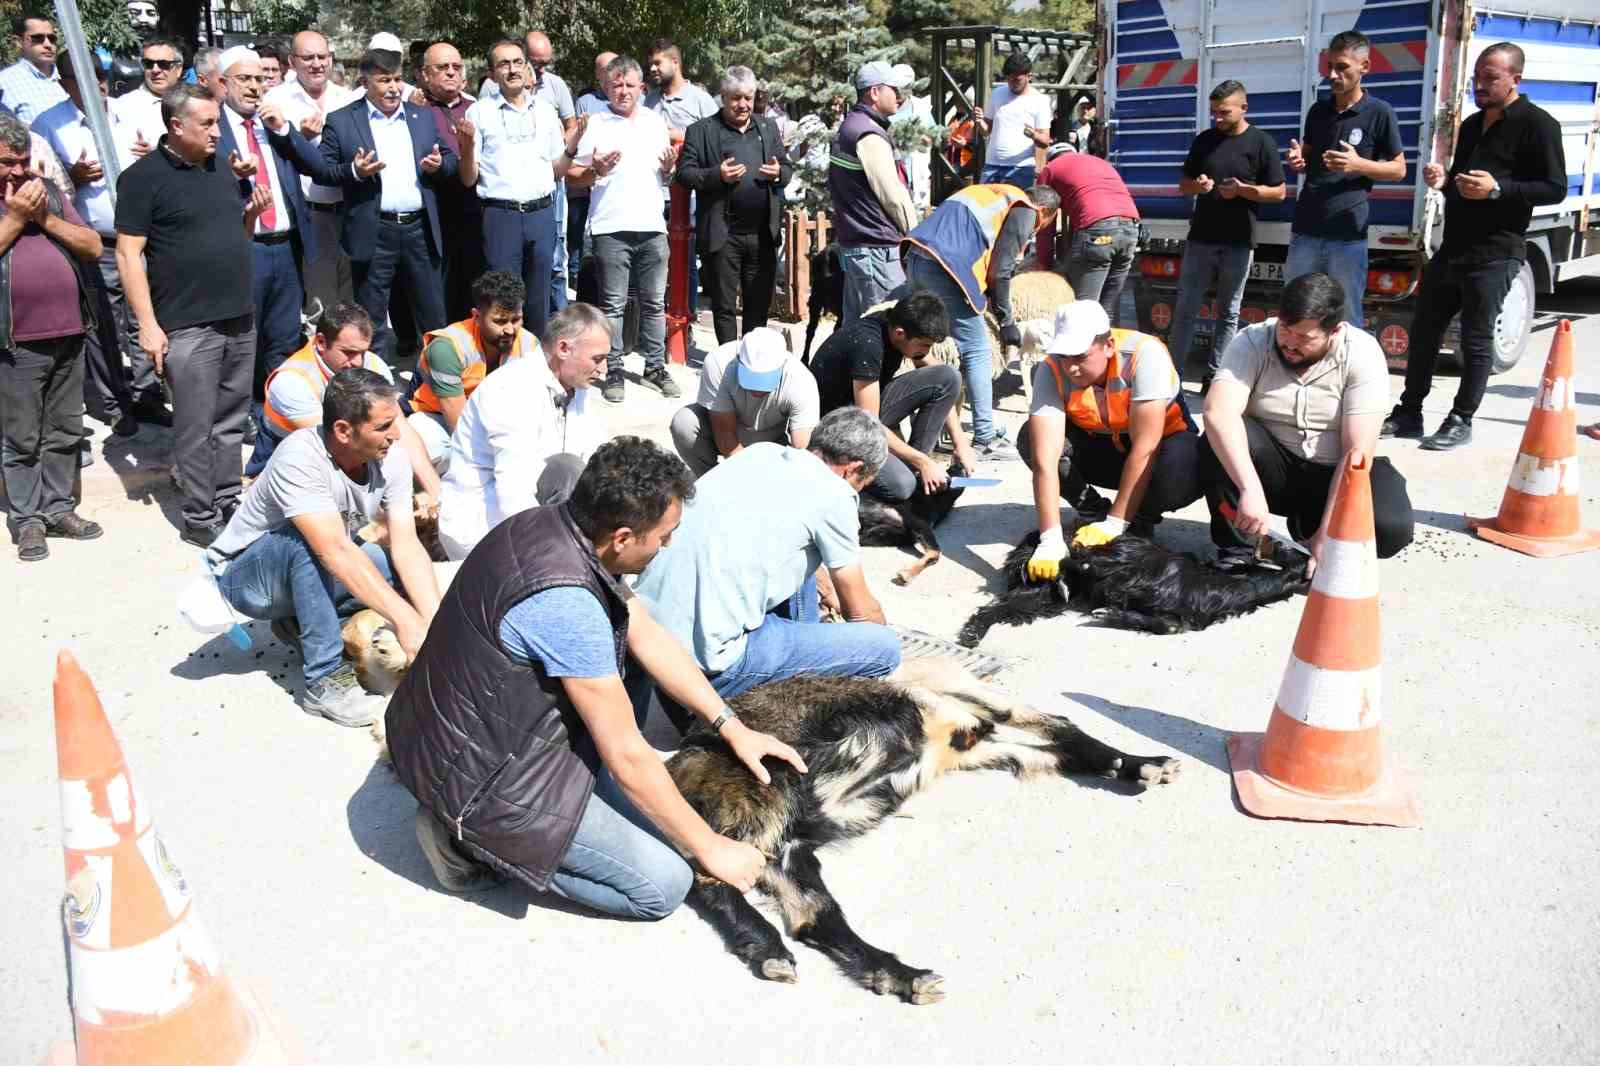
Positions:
{"x": 105, "y": 24}
{"x": 283, "y": 17}
{"x": 809, "y": 54}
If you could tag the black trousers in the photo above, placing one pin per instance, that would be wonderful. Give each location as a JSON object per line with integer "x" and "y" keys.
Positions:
{"x": 1475, "y": 290}
{"x": 463, "y": 259}
{"x": 1092, "y": 459}
{"x": 41, "y": 397}
{"x": 925, "y": 396}
{"x": 107, "y": 394}
{"x": 1297, "y": 488}
{"x": 747, "y": 266}
{"x": 403, "y": 256}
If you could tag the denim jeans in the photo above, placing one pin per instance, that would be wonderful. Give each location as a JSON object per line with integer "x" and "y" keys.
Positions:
{"x": 871, "y": 273}
{"x": 641, "y": 257}
{"x": 1101, "y": 256}
{"x": 1477, "y": 291}
{"x": 925, "y": 396}
{"x": 971, "y": 336}
{"x": 1023, "y": 177}
{"x": 1228, "y": 265}
{"x": 278, "y": 576}
{"x": 1345, "y": 260}
{"x": 792, "y": 641}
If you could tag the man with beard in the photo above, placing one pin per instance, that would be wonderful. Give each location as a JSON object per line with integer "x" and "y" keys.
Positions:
{"x": 1294, "y": 394}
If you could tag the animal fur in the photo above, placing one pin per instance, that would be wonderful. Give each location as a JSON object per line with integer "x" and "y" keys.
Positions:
{"x": 425, "y": 516}
{"x": 1134, "y": 583}
{"x": 827, "y": 292}
{"x": 869, "y": 745}
{"x": 909, "y": 524}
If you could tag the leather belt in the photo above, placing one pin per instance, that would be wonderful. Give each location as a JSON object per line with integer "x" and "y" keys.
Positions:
{"x": 270, "y": 238}
{"x": 317, "y": 205}
{"x": 401, "y": 217}
{"x": 520, "y": 206}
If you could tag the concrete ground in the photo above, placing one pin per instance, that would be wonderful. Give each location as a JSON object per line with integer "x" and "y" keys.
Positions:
{"x": 1072, "y": 923}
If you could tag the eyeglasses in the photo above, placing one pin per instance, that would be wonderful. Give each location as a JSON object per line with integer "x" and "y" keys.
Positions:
{"x": 41, "y": 38}
{"x": 248, "y": 79}
{"x": 162, "y": 64}
{"x": 508, "y": 64}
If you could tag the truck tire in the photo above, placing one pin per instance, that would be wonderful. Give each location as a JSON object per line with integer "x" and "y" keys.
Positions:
{"x": 1515, "y": 321}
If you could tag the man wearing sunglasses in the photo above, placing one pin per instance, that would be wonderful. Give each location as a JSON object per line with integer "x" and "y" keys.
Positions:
{"x": 31, "y": 85}
{"x": 138, "y": 112}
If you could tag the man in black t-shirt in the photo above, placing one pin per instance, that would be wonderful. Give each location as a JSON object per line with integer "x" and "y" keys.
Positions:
{"x": 183, "y": 251}
{"x": 857, "y": 365}
{"x": 1230, "y": 169}
{"x": 1352, "y": 140}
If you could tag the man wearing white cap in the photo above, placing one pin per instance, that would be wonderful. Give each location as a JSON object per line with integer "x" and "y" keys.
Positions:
{"x": 752, "y": 390}
{"x": 1107, "y": 410}
{"x": 388, "y": 42}
{"x": 872, "y": 206}
{"x": 523, "y": 437}
{"x": 919, "y": 160}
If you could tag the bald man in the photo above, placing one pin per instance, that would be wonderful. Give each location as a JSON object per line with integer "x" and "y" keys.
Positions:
{"x": 460, "y": 215}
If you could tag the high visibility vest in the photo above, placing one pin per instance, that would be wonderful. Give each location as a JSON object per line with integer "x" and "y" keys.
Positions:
{"x": 1106, "y": 409}
{"x": 463, "y": 336}
{"x": 304, "y": 365}
{"x": 961, "y": 233}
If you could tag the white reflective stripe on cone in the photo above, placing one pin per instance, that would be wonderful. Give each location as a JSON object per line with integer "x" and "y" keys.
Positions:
{"x": 1344, "y": 700}
{"x": 146, "y": 981}
{"x": 89, "y": 823}
{"x": 1349, "y": 569}
{"x": 1561, "y": 395}
{"x": 1533, "y": 476}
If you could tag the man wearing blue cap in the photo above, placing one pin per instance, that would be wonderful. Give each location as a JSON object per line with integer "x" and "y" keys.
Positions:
{"x": 752, "y": 391}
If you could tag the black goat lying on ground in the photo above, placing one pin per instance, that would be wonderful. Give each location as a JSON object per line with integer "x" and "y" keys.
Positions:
{"x": 1134, "y": 583}
{"x": 909, "y": 523}
{"x": 869, "y": 746}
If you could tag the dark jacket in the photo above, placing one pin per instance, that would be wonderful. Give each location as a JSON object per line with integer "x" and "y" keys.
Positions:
{"x": 290, "y": 167}
{"x": 699, "y": 168}
{"x": 489, "y": 744}
{"x": 86, "y": 303}
{"x": 858, "y": 218}
{"x": 348, "y": 130}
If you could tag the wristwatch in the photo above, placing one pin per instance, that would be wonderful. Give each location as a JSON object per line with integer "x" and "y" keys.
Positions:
{"x": 1494, "y": 193}
{"x": 728, "y": 713}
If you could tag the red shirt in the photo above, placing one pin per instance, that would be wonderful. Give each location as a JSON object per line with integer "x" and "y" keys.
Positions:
{"x": 1089, "y": 187}
{"x": 44, "y": 286}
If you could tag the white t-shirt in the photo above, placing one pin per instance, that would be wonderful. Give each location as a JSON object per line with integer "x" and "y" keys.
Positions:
{"x": 627, "y": 200}
{"x": 296, "y": 104}
{"x": 1008, "y": 114}
{"x": 138, "y": 114}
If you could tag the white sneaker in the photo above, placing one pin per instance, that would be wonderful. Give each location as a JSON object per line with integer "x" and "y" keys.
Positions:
{"x": 999, "y": 449}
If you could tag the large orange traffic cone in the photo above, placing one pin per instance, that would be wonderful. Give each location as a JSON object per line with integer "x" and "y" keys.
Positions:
{"x": 1539, "y": 514}
{"x": 1322, "y": 757}
{"x": 146, "y": 986}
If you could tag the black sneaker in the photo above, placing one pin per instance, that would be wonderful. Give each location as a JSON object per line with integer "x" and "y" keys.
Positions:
{"x": 1402, "y": 422}
{"x": 72, "y": 526}
{"x": 1090, "y": 505}
{"x": 660, "y": 380}
{"x": 201, "y": 535}
{"x": 1453, "y": 433}
{"x": 615, "y": 387}
{"x": 31, "y": 546}
{"x": 1143, "y": 528}
{"x": 126, "y": 425}
{"x": 250, "y": 431}
{"x": 153, "y": 413}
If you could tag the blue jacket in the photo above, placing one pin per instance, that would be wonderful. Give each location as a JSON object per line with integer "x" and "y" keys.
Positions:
{"x": 347, "y": 131}
{"x": 291, "y": 163}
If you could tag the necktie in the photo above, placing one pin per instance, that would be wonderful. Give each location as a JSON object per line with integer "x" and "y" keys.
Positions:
{"x": 269, "y": 217}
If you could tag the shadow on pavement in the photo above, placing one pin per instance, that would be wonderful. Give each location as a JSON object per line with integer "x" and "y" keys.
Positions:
{"x": 1197, "y": 740}
{"x": 219, "y": 656}
{"x": 142, "y": 466}
{"x": 1451, "y": 523}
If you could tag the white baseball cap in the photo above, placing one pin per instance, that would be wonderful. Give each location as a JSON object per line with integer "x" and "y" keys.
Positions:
{"x": 905, "y": 74}
{"x": 386, "y": 41}
{"x": 237, "y": 54}
{"x": 762, "y": 355}
{"x": 880, "y": 73}
{"x": 1077, "y": 325}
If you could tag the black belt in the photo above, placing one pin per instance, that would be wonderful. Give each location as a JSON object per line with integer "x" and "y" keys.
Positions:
{"x": 520, "y": 206}
{"x": 401, "y": 217}
{"x": 270, "y": 238}
{"x": 316, "y": 205}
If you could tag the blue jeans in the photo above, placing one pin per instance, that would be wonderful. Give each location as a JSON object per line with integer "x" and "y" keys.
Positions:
{"x": 972, "y": 341}
{"x": 792, "y": 641}
{"x": 871, "y": 273}
{"x": 278, "y": 576}
{"x": 641, "y": 258}
{"x": 1229, "y": 266}
{"x": 1023, "y": 177}
{"x": 1345, "y": 260}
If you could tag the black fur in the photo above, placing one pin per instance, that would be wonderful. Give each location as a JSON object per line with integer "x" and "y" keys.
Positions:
{"x": 827, "y": 292}
{"x": 868, "y": 746}
{"x": 909, "y": 523}
{"x": 1134, "y": 583}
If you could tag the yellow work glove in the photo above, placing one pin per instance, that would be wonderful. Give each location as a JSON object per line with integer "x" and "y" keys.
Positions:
{"x": 1095, "y": 534}
{"x": 1045, "y": 563}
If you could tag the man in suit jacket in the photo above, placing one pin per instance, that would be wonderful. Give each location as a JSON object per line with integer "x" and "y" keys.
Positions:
{"x": 735, "y": 161}
{"x": 385, "y": 153}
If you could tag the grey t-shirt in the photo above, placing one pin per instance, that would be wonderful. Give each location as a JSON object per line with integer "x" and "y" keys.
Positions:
{"x": 684, "y": 109}
{"x": 301, "y": 478}
{"x": 1153, "y": 379}
{"x": 772, "y": 416}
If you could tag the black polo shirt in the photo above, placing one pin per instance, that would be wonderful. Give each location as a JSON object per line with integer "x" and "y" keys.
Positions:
{"x": 1251, "y": 157}
{"x": 1523, "y": 153}
{"x": 1330, "y": 205}
{"x": 196, "y": 253}
{"x": 859, "y": 351}
{"x": 749, "y": 201}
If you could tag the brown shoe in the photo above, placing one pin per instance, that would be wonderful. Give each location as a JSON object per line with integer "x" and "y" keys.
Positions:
{"x": 72, "y": 526}
{"x": 30, "y": 543}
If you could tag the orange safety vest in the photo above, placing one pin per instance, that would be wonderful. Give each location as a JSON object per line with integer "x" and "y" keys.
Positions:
{"x": 304, "y": 365}
{"x": 463, "y": 336}
{"x": 1106, "y": 409}
{"x": 961, "y": 233}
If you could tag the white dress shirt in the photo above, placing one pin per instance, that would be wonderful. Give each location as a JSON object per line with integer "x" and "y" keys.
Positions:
{"x": 391, "y": 136}
{"x": 282, "y": 220}
{"x": 297, "y": 105}
{"x": 513, "y": 424}
{"x": 138, "y": 112}
{"x": 66, "y": 130}
{"x": 516, "y": 147}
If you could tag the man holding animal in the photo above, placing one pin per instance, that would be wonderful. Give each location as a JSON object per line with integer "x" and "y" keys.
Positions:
{"x": 740, "y": 584}
{"x": 289, "y": 553}
{"x": 1293, "y": 395}
{"x": 752, "y": 390}
{"x": 514, "y": 728}
{"x": 1107, "y": 410}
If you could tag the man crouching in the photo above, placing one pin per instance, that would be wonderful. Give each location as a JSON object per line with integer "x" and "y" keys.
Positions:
{"x": 513, "y": 727}
{"x": 289, "y": 553}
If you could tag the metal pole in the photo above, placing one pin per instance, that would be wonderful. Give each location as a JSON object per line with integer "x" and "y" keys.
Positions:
{"x": 94, "y": 108}
{"x": 680, "y": 235}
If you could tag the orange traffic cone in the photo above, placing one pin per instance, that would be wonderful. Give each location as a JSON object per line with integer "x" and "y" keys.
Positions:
{"x": 1322, "y": 757}
{"x": 146, "y": 986}
{"x": 1539, "y": 514}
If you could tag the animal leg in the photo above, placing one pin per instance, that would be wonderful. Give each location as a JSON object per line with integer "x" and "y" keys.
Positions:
{"x": 910, "y": 572}
{"x": 743, "y": 929}
{"x": 814, "y": 918}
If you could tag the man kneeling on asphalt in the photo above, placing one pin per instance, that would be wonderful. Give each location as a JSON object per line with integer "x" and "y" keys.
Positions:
{"x": 514, "y": 728}
{"x": 1108, "y": 410}
{"x": 1294, "y": 394}
{"x": 859, "y": 364}
{"x": 739, "y": 586}
{"x": 289, "y": 553}
{"x": 752, "y": 390}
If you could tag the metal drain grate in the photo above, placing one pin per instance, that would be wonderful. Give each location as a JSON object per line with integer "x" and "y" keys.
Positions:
{"x": 915, "y": 644}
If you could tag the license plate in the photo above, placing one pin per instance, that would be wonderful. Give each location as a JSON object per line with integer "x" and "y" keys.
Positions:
{"x": 1266, "y": 271}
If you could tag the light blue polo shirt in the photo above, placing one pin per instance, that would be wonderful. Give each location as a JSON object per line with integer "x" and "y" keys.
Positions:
{"x": 516, "y": 147}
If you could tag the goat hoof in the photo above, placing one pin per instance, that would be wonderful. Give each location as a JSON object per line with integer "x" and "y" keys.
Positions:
{"x": 927, "y": 987}
{"x": 914, "y": 986}
{"x": 779, "y": 970}
{"x": 1155, "y": 771}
